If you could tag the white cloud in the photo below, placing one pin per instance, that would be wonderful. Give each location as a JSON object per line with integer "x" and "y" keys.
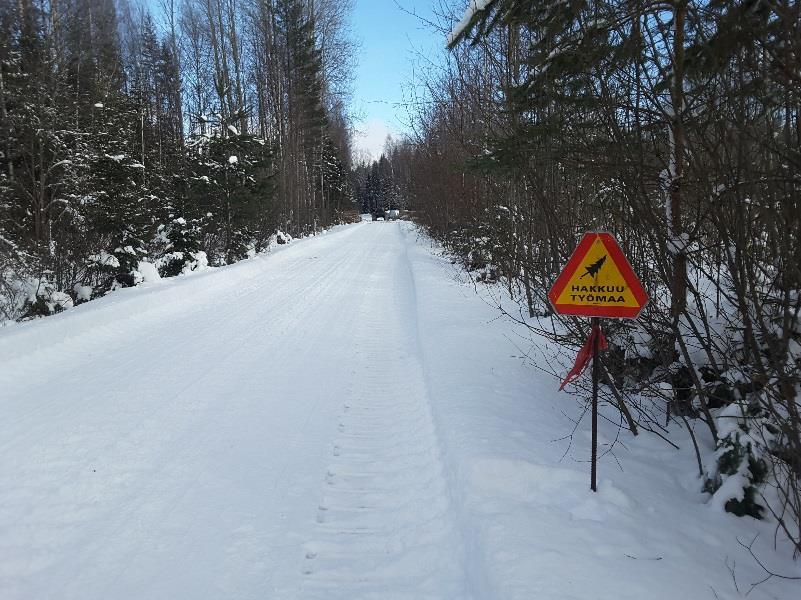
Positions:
{"x": 370, "y": 137}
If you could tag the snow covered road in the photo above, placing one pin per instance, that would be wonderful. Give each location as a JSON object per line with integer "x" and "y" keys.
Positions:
{"x": 339, "y": 419}
{"x": 261, "y": 429}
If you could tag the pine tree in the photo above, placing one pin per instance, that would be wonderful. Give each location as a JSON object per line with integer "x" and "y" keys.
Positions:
{"x": 232, "y": 179}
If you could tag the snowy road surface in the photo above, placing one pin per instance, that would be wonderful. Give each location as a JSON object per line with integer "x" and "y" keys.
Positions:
{"x": 336, "y": 420}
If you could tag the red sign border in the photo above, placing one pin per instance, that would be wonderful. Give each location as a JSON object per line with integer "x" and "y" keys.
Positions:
{"x": 616, "y": 254}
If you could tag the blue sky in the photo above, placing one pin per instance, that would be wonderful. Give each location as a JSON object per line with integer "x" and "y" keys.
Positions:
{"x": 391, "y": 43}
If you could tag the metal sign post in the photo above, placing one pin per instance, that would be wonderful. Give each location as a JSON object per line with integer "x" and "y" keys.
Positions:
{"x": 596, "y": 371}
{"x": 612, "y": 291}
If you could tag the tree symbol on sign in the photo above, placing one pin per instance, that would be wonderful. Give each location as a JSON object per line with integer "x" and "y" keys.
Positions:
{"x": 593, "y": 269}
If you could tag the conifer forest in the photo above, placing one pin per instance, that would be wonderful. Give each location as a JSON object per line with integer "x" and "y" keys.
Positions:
{"x": 185, "y": 136}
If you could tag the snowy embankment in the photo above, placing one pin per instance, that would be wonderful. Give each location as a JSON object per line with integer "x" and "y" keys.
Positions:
{"x": 342, "y": 419}
{"x": 534, "y": 529}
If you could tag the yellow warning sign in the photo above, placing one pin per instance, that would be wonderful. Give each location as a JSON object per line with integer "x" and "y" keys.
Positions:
{"x": 598, "y": 281}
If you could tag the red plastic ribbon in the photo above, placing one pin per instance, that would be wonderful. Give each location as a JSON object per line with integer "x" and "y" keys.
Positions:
{"x": 585, "y": 354}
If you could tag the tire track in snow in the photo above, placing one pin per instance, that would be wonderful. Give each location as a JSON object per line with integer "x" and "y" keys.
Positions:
{"x": 384, "y": 523}
{"x": 474, "y": 554}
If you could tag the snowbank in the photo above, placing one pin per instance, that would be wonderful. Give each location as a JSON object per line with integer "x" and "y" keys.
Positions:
{"x": 518, "y": 453}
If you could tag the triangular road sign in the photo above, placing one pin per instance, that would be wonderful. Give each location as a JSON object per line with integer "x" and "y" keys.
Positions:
{"x": 598, "y": 281}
